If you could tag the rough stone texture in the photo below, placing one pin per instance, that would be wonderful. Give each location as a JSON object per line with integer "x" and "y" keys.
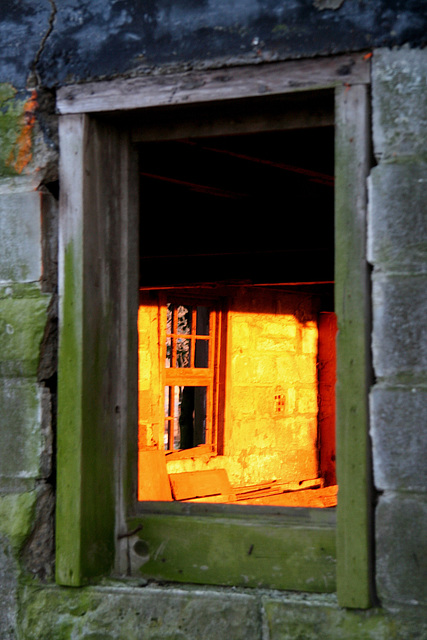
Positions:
{"x": 16, "y": 514}
{"x": 11, "y": 111}
{"x": 38, "y": 554}
{"x": 399, "y": 339}
{"x": 20, "y": 438}
{"x": 131, "y": 614}
{"x": 48, "y": 362}
{"x": 46, "y": 430}
{"x": 318, "y": 619}
{"x": 397, "y": 247}
{"x": 397, "y": 223}
{"x": 8, "y": 585}
{"x": 125, "y": 612}
{"x": 22, "y": 323}
{"x": 399, "y": 93}
{"x": 22, "y": 26}
{"x": 20, "y": 259}
{"x": 50, "y": 214}
{"x": 398, "y": 429}
{"x": 82, "y": 39}
{"x": 401, "y": 548}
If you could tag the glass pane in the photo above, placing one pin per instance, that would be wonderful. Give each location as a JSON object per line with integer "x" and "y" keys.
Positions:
{"x": 176, "y": 413}
{"x": 202, "y": 321}
{"x": 183, "y": 353}
{"x": 169, "y": 343}
{"x": 170, "y": 312}
{"x": 166, "y": 436}
{"x": 168, "y": 401}
{"x": 169, "y": 317}
{"x": 168, "y": 410}
{"x": 189, "y": 417}
{"x": 201, "y": 357}
{"x": 184, "y": 319}
{"x": 200, "y": 395}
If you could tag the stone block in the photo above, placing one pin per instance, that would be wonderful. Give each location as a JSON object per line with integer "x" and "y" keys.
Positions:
{"x": 20, "y": 437}
{"x": 398, "y": 428}
{"x": 149, "y": 613}
{"x": 38, "y": 554}
{"x": 8, "y": 588}
{"x": 22, "y": 323}
{"x": 20, "y": 259}
{"x": 16, "y": 517}
{"x": 399, "y": 336}
{"x": 295, "y": 617}
{"x": 397, "y": 217}
{"x": 401, "y": 548}
{"x": 399, "y": 95}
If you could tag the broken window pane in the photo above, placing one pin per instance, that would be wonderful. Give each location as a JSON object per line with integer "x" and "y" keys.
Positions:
{"x": 185, "y": 417}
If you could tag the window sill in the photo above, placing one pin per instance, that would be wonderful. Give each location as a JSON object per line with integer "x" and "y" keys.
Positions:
{"x": 194, "y": 452}
{"x": 279, "y": 548}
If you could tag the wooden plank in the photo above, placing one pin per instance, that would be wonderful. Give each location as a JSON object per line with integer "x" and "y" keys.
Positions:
{"x": 72, "y": 132}
{"x": 318, "y": 498}
{"x": 191, "y": 377}
{"x": 352, "y": 294}
{"x": 239, "y": 551}
{"x": 86, "y": 417}
{"x": 198, "y": 484}
{"x": 95, "y": 342}
{"x": 125, "y": 460}
{"x": 203, "y": 86}
{"x": 292, "y": 115}
{"x": 153, "y": 481}
{"x": 327, "y": 375}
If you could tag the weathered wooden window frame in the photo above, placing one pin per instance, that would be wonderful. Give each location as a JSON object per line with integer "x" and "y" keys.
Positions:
{"x": 97, "y": 413}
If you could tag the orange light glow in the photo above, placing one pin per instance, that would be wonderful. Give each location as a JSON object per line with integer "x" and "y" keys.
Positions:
{"x": 272, "y": 411}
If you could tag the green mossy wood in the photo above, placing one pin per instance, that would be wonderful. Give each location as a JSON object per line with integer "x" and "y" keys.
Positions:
{"x": 88, "y": 350}
{"x": 250, "y": 551}
{"x": 95, "y": 338}
{"x": 354, "y": 547}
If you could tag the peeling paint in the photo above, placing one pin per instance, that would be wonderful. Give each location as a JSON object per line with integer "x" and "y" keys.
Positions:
{"x": 328, "y": 4}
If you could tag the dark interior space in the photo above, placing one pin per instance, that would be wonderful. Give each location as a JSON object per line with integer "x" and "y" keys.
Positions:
{"x": 245, "y": 209}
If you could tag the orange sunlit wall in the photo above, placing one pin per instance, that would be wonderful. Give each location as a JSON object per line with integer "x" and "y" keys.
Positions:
{"x": 269, "y": 432}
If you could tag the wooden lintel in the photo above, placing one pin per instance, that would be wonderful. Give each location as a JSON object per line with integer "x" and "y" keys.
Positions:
{"x": 220, "y": 84}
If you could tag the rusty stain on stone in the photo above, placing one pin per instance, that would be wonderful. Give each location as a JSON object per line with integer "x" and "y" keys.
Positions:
{"x": 21, "y": 153}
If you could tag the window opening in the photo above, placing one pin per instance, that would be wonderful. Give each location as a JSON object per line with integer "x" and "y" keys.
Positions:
{"x": 236, "y": 382}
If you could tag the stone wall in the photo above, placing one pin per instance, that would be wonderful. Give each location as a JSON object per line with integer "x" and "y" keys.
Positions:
{"x": 31, "y": 606}
{"x": 398, "y": 252}
{"x": 27, "y": 348}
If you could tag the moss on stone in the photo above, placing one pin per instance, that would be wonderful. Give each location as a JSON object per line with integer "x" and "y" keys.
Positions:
{"x": 19, "y": 290}
{"x": 126, "y": 612}
{"x": 22, "y": 323}
{"x": 20, "y": 434}
{"x": 16, "y": 517}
